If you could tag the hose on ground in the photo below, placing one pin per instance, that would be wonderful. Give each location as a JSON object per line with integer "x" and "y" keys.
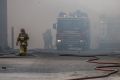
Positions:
{"x": 109, "y": 68}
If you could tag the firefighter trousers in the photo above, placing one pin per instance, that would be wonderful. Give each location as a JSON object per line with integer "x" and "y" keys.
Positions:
{"x": 23, "y": 50}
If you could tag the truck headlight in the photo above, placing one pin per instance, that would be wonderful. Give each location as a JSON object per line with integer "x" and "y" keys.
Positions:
{"x": 81, "y": 41}
{"x": 59, "y": 41}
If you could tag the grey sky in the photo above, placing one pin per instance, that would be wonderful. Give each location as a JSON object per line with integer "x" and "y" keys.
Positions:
{"x": 36, "y": 16}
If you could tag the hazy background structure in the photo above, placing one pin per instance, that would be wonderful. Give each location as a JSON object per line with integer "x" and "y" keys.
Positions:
{"x": 3, "y": 25}
{"x": 36, "y": 16}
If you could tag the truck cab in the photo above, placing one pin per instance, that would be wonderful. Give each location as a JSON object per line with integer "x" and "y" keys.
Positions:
{"x": 72, "y": 33}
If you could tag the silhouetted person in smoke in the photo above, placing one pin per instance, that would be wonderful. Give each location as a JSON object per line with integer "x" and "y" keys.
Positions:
{"x": 47, "y": 37}
{"x": 22, "y": 40}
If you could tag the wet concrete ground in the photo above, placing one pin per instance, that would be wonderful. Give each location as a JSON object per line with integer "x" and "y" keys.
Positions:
{"x": 47, "y": 67}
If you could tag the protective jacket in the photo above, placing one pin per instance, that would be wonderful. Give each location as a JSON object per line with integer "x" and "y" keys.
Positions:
{"x": 22, "y": 39}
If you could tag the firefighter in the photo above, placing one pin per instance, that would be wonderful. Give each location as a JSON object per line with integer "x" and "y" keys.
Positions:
{"x": 22, "y": 41}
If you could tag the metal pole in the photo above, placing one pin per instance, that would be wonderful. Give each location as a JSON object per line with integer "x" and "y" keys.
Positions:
{"x": 12, "y": 39}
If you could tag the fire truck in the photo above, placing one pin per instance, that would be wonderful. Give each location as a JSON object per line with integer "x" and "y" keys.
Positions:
{"x": 73, "y": 31}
